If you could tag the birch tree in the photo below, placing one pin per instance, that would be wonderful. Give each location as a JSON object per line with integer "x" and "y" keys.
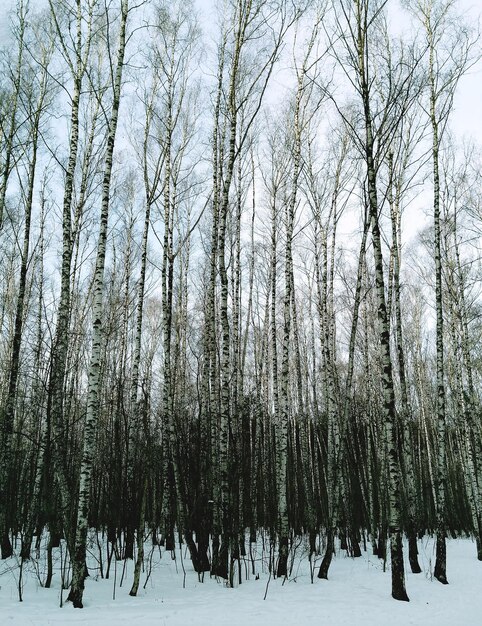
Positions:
{"x": 35, "y": 105}
{"x": 357, "y": 25}
{"x": 78, "y": 558}
{"x": 245, "y": 88}
{"x": 443, "y": 71}
{"x": 76, "y": 60}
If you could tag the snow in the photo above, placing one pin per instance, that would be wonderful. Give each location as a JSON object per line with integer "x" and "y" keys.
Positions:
{"x": 357, "y": 593}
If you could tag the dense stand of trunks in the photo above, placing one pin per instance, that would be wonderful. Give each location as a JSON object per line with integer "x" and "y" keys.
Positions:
{"x": 230, "y": 362}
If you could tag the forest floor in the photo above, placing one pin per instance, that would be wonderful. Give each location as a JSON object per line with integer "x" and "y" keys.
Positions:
{"x": 357, "y": 593}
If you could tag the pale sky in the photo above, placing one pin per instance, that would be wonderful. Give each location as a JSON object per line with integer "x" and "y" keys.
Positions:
{"x": 466, "y": 119}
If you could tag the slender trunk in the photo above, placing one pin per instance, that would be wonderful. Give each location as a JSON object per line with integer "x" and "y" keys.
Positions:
{"x": 440, "y": 571}
{"x": 55, "y": 406}
{"x": 140, "y": 543}
{"x": 284, "y": 404}
{"x": 78, "y": 558}
{"x": 389, "y": 415}
{"x": 405, "y": 413}
{"x": 8, "y": 417}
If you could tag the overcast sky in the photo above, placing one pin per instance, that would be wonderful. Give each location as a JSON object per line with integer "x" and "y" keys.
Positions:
{"x": 466, "y": 118}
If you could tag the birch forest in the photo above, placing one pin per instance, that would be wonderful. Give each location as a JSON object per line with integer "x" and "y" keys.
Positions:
{"x": 240, "y": 285}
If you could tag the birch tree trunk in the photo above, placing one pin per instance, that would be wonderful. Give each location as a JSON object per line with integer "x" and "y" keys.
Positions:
{"x": 326, "y": 317}
{"x": 395, "y": 193}
{"x": 444, "y": 70}
{"x": 389, "y": 416}
{"x": 38, "y": 394}
{"x": 77, "y": 67}
{"x": 7, "y": 418}
{"x": 239, "y": 93}
{"x": 284, "y": 398}
{"x": 79, "y": 569}
{"x": 465, "y": 375}
{"x": 440, "y": 571}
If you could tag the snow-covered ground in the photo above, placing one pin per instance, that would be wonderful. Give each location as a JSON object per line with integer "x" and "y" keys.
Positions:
{"x": 357, "y": 593}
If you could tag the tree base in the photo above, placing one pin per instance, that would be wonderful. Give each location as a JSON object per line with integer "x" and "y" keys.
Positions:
{"x": 440, "y": 571}
{"x": 220, "y": 559}
{"x": 479, "y": 547}
{"x": 7, "y": 549}
{"x": 398, "y": 575}
{"x": 282, "y": 569}
{"x": 442, "y": 578}
{"x": 75, "y": 596}
{"x": 400, "y": 595}
{"x": 413, "y": 554}
{"x": 326, "y": 562}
